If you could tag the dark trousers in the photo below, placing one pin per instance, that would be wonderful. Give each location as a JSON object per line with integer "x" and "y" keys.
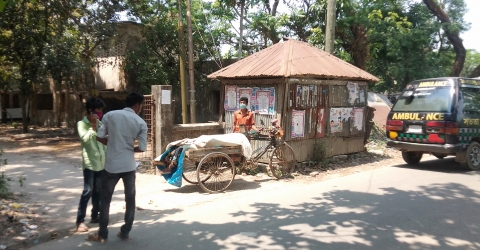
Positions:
{"x": 109, "y": 182}
{"x": 92, "y": 181}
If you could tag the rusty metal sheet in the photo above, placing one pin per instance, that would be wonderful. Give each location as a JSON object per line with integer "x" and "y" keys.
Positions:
{"x": 292, "y": 58}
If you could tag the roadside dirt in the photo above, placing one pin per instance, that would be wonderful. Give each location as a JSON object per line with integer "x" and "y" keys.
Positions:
{"x": 20, "y": 220}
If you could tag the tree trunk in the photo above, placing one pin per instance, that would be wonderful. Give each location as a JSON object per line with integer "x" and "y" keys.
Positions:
{"x": 3, "y": 99}
{"x": 452, "y": 36}
{"x": 23, "y": 105}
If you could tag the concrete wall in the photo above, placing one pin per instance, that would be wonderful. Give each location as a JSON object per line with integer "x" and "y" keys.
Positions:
{"x": 109, "y": 72}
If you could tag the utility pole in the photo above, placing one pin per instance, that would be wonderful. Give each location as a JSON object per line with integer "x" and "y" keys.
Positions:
{"x": 330, "y": 29}
{"x": 240, "y": 41}
{"x": 183, "y": 58}
{"x": 191, "y": 65}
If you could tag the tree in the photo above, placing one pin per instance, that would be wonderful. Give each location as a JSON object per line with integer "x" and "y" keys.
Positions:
{"x": 472, "y": 61}
{"x": 95, "y": 22}
{"x": 25, "y": 33}
{"x": 155, "y": 59}
{"x": 452, "y": 30}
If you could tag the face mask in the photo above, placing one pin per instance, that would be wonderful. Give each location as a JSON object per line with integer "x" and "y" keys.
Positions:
{"x": 243, "y": 106}
{"x": 99, "y": 114}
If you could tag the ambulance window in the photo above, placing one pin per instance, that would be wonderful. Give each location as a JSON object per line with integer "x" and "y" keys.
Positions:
{"x": 471, "y": 99}
{"x": 427, "y": 99}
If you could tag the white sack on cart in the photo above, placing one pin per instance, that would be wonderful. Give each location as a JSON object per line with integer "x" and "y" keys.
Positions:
{"x": 221, "y": 140}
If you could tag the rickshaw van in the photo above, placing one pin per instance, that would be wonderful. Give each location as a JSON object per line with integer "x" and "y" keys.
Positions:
{"x": 438, "y": 116}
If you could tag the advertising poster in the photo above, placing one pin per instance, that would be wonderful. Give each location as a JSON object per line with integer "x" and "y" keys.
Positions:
{"x": 298, "y": 123}
{"x": 358, "y": 118}
{"x": 254, "y": 104}
{"x": 321, "y": 122}
{"x": 336, "y": 123}
{"x": 346, "y": 114}
{"x": 298, "y": 100}
{"x": 263, "y": 101}
{"x": 245, "y": 92}
{"x": 313, "y": 96}
{"x": 352, "y": 92}
{"x": 230, "y": 98}
{"x": 271, "y": 103}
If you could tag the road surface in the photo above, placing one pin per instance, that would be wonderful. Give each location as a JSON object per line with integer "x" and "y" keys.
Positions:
{"x": 432, "y": 206}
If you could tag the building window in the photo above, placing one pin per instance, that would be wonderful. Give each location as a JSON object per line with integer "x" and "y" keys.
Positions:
{"x": 44, "y": 102}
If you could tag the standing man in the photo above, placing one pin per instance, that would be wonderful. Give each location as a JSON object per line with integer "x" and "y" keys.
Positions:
{"x": 93, "y": 159}
{"x": 243, "y": 116}
{"x": 122, "y": 127}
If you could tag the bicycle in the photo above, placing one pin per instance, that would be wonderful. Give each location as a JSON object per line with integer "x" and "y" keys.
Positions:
{"x": 282, "y": 159}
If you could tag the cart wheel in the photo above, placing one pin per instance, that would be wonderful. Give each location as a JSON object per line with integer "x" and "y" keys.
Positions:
{"x": 190, "y": 171}
{"x": 220, "y": 172}
{"x": 282, "y": 161}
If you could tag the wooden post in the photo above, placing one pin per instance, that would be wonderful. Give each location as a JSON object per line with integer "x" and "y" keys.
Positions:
{"x": 191, "y": 68}
{"x": 162, "y": 97}
{"x": 183, "y": 58}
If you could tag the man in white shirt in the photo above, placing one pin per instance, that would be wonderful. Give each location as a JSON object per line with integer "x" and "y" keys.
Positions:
{"x": 119, "y": 131}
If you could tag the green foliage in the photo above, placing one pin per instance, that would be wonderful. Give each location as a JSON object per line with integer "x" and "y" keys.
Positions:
{"x": 5, "y": 191}
{"x": 396, "y": 40}
{"x": 472, "y": 61}
{"x": 4, "y": 180}
{"x": 320, "y": 154}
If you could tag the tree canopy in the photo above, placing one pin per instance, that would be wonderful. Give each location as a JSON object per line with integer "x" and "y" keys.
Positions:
{"x": 396, "y": 40}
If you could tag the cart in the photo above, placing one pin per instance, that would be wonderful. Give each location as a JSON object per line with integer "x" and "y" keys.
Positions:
{"x": 213, "y": 166}
{"x": 213, "y": 169}
{"x": 209, "y": 161}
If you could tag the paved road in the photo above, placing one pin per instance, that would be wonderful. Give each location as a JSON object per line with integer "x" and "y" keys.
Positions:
{"x": 433, "y": 206}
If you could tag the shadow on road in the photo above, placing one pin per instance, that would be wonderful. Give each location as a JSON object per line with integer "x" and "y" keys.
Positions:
{"x": 237, "y": 185}
{"x": 446, "y": 165}
{"x": 340, "y": 219}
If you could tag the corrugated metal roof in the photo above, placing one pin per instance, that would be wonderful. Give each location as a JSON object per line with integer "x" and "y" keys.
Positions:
{"x": 292, "y": 58}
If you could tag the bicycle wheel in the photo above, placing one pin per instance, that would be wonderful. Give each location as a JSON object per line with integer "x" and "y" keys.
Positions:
{"x": 282, "y": 161}
{"x": 190, "y": 172}
{"x": 220, "y": 170}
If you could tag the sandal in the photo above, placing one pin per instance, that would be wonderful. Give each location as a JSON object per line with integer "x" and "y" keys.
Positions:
{"x": 95, "y": 237}
{"x": 121, "y": 236}
{"x": 81, "y": 227}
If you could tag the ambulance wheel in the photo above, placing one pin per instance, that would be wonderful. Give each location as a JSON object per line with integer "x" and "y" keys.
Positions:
{"x": 473, "y": 156}
{"x": 412, "y": 158}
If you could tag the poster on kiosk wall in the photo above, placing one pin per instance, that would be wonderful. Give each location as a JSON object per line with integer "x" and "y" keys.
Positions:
{"x": 230, "y": 98}
{"x": 245, "y": 92}
{"x": 263, "y": 101}
{"x": 298, "y": 123}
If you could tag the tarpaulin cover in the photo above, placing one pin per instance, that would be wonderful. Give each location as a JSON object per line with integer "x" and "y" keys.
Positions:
{"x": 175, "y": 177}
{"x": 213, "y": 141}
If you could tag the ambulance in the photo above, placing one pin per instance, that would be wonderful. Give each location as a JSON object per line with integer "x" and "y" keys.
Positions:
{"x": 439, "y": 116}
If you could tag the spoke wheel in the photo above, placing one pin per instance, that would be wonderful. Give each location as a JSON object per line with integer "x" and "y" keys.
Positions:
{"x": 282, "y": 161}
{"x": 220, "y": 172}
{"x": 190, "y": 171}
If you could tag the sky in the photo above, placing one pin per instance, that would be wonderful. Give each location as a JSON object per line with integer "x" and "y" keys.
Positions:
{"x": 471, "y": 38}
